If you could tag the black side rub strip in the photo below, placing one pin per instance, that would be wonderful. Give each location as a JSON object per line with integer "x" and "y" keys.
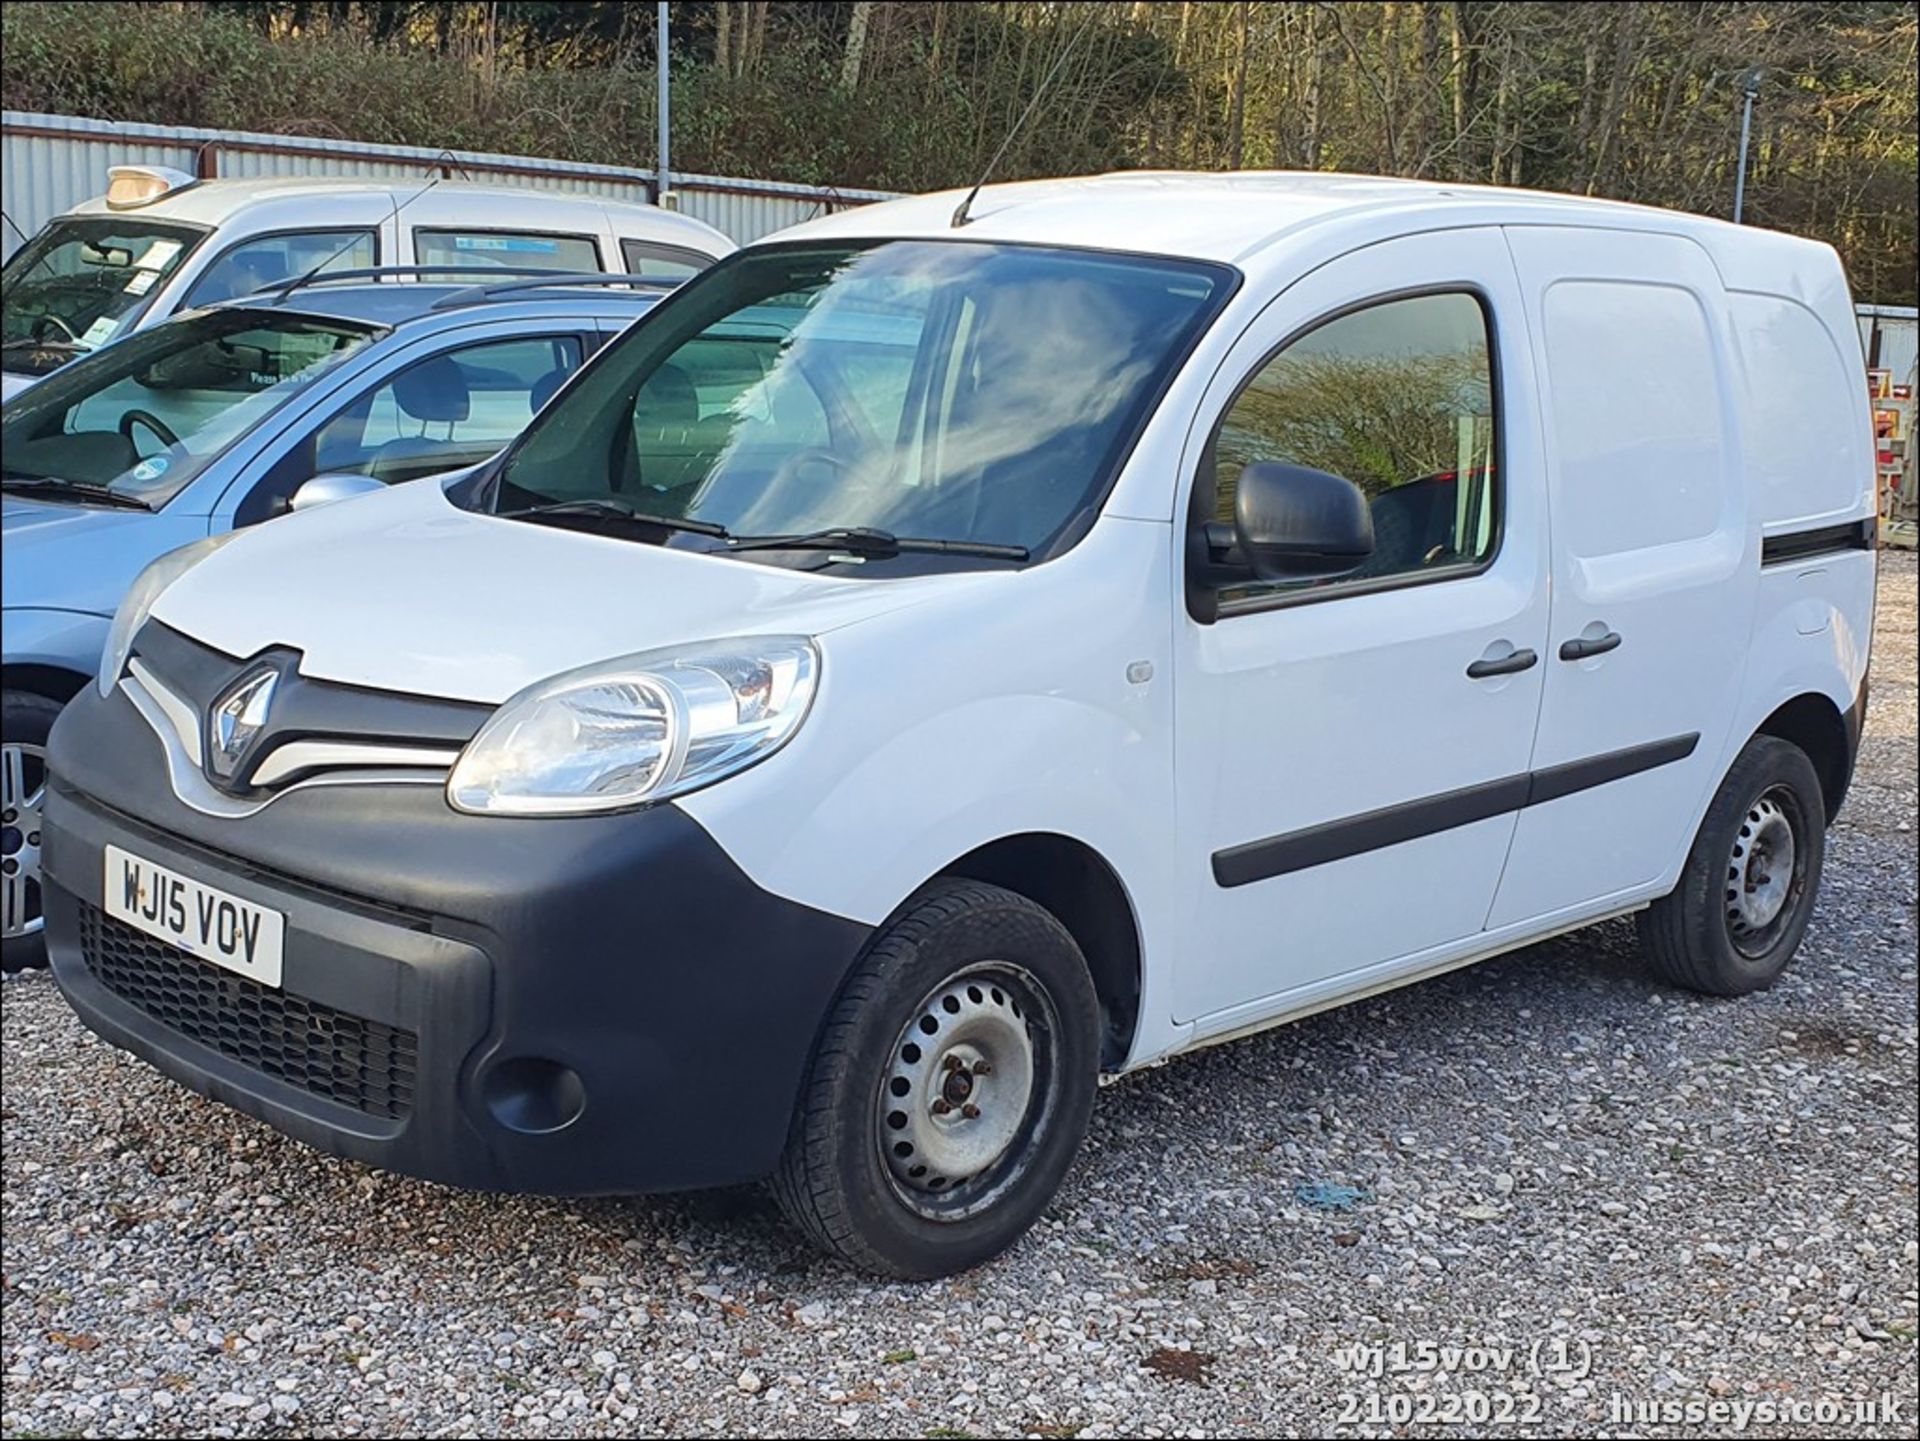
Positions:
{"x": 1563, "y": 780}
{"x": 1823, "y": 540}
{"x": 1336, "y": 840}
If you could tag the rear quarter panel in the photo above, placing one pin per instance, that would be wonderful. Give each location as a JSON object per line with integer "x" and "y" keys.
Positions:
{"x": 1806, "y": 450}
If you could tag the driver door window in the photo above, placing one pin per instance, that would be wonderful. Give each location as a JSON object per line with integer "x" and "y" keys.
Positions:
{"x": 449, "y": 410}
{"x": 1397, "y": 398}
{"x": 661, "y": 262}
{"x": 270, "y": 259}
{"x": 440, "y": 413}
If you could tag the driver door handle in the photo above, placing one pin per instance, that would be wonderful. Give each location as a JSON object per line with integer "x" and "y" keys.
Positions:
{"x": 1518, "y": 661}
{"x": 1580, "y": 648}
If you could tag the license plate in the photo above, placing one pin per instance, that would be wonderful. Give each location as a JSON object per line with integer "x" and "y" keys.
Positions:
{"x": 200, "y": 920}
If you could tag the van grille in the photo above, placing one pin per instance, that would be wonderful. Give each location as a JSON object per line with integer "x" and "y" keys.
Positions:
{"x": 360, "y": 1063}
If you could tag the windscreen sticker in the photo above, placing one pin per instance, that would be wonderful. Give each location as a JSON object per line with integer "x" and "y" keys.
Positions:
{"x": 99, "y": 332}
{"x": 141, "y": 282}
{"x": 159, "y": 255}
{"x": 524, "y": 243}
{"x": 151, "y": 468}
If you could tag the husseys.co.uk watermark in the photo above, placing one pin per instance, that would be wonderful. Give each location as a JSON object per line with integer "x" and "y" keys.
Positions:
{"x": 1737, "y": 1414}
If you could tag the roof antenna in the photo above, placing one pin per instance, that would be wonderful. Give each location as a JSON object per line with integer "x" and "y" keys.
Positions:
{"x": 960, "y": 215}
{"x": 354, "y": 238}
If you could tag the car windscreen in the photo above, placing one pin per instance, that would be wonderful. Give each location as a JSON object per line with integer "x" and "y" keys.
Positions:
{"x": 82, "y": 281}
{"x": 148, "y": 414}
{"x": 976, "y": 393}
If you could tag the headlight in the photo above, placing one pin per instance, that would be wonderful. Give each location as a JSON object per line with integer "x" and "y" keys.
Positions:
{"x": 139, "y": 599}
{"x": 638, "y": 729}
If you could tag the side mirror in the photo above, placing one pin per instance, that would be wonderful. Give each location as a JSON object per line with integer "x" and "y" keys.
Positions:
{"x": 1292, "y": 523}
{"x": 326, "y": 489}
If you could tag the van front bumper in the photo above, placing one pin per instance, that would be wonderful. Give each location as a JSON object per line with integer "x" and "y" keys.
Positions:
{"x": 563, "y": 1006}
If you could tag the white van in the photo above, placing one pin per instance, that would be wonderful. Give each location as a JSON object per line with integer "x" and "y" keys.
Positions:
{"x": 937, "y": 659}
{"x": 159, "y": 241}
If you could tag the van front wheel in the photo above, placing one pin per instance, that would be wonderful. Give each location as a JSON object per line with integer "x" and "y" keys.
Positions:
{"x": 950, "y": 1090}
{"x": 1747, "y": 892}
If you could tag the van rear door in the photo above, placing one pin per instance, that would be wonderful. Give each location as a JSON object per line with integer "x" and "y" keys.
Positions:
{"x": 1655, "y": 570}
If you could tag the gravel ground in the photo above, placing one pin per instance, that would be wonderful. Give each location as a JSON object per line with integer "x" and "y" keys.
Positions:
{"x": 1705, "y": 1201}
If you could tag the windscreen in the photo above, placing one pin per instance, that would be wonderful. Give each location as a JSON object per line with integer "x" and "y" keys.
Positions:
{"x": 148, "y": 414}
{"x": 950, "y": 390}
{"x": 81, "y": 282}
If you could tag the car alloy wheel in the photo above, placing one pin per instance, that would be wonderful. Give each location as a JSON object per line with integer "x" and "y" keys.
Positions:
{"x": 23, "y": 788}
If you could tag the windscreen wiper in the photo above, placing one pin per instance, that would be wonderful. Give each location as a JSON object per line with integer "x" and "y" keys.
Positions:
{"x": 50, "y": 485}
{"x": 866, "y": 540}
{"x": 607, "y": 508}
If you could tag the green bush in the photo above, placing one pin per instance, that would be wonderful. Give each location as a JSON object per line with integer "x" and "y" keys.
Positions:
{"x": 787, "y": 120}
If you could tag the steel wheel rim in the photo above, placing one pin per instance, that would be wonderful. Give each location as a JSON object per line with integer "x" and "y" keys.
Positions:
{"x": 1766, "y": 873}
{"x": 23, "y": 790}
{"x": 969, "y": 1082}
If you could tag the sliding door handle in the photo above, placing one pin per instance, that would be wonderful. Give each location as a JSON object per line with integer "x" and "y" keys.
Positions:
{"x": 1585, "y": 648}
{"x": 1510, "y": 664}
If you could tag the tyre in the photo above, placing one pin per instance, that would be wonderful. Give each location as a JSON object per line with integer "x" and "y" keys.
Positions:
{"x": 1747, "y": 892}
{"x": 25, "y": 720}
{"x": 950, "y": 1088}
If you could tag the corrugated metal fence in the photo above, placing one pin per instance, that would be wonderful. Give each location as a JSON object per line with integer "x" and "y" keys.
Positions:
{"x": 1890, "y": 339}
{"x": 51, "y": 163}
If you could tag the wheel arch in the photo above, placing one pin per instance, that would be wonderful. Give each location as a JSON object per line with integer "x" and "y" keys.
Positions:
{"x": 55, "y": 682}
{"x": 1818, "y": 727}
{"x": 1081, "y": 889}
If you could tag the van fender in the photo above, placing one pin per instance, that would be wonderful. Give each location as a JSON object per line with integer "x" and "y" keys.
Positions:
{"x": 855, "y": 830}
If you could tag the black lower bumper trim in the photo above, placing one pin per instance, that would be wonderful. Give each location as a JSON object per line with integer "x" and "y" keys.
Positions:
{"x": 601, "y": 1005}
{"x": 333, "y": 1054}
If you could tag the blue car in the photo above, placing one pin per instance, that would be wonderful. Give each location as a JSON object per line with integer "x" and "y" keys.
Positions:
{"x": 230, "y": 415}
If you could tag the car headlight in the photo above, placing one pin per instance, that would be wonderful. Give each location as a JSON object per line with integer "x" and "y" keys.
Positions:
{"x": 638, "y": 729}
{"x": 138, "y": 603}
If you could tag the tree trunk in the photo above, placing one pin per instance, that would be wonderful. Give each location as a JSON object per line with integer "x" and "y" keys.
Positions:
{"x": 1457, "y": 37}
{"x": 1390, "y": 82}
{"x": 1427, "y": 88}
{"x": 493, "y": 43}
{"x": 1310, "y": 95}
{"x": 723, "y": 37}
{"x": 1589, "y": 85}
{"x": 756, "y": 36}
{"x": 1237, "y": 100}
{"x": 1502, "y": 98}
{"x": 856, "y": 44}
{"x": 1626, "y": 59}
{"x": 933, "y": 46}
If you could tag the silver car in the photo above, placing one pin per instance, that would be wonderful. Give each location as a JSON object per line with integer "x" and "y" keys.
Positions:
{"x": 230, "y": 415}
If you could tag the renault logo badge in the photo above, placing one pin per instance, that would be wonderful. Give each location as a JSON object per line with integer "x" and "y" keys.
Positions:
{"x": 236, "y": 718}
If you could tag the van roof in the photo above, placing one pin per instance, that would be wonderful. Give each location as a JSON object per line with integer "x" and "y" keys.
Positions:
{"x": 216, "y": 203}
{"x": 1245, "y": 217}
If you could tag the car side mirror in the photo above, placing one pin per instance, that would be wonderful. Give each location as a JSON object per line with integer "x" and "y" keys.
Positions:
{"x": 1294, "y": 523}
{"x": 326, "y": 489}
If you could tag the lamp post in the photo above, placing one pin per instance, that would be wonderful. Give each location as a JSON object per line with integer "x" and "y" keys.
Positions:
{"x": 1750, "y": 87}
{"x": 663, "y": 175}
